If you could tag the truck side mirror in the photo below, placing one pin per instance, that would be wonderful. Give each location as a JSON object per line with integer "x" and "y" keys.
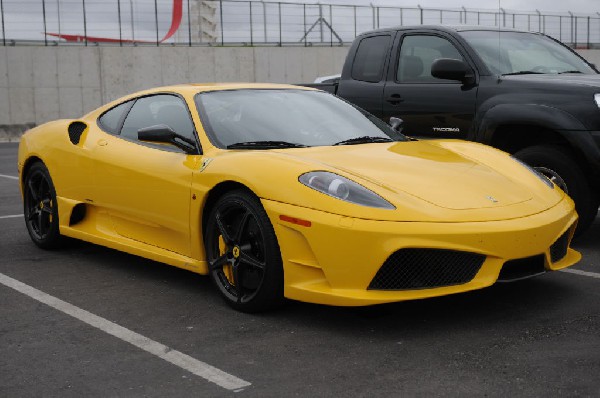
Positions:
{"x": 452, "y": 69}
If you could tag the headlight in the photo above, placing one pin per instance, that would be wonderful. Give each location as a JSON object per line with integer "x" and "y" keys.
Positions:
{"x": 342, "y": 188}
{"x": 597, "y": 99}
{"x": 542, "y": 177}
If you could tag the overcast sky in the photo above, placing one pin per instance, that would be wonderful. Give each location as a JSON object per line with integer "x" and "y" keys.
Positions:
{"x": 23, "y": 18}
{"x": 578, "y": 6}
{"x": 588, "y": 7}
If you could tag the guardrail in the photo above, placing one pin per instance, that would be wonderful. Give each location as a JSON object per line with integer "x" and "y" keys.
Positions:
{"x": 228, "y": 22}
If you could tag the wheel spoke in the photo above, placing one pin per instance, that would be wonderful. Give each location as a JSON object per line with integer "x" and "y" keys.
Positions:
{"x": 40, "y": 221}
{"x": 32, "y": 191}
{"x": 242, "y": 226}
{"x": 237, "y": 281}
{"x": 218, "y": 263}
{"x": 222, "y": 230}
{"x": 40, "y": 192}
{"x": 251, "y": 261}
{"x": 32, "y": 213}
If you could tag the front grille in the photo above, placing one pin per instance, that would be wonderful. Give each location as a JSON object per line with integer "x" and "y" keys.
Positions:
{"x": 426, "y": 268}
{"x": 558, "y": 250}
{"x": 522, "y": 268}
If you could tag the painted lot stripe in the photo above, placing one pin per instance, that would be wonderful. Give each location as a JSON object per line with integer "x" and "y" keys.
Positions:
{"x": 583, "y": 273}
{"x": 10, "y": 177}
{"x": 177, "y": 358}
{"x": 12, "y": 216}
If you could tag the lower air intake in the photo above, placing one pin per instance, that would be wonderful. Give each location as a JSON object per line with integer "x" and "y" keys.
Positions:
{"x": 558, "y": 250}
{"x": 426, "y": 268}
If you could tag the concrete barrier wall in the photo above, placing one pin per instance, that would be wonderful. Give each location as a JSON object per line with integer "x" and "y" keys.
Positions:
{"x": 38, "y": 84}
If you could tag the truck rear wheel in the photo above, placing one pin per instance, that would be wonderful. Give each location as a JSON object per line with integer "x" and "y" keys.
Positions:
{"x": 560, "y": 167}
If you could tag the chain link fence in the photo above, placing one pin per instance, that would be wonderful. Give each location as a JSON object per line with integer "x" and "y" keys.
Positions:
{"x": 252, "y": 23}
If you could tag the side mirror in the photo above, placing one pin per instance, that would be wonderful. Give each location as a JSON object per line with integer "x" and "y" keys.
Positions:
{"x": 397, "y": 124}
{"x": 164, "y": 133}
{"x": 452, "y": 69}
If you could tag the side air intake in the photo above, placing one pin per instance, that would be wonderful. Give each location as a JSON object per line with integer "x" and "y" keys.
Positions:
{"x": 75, "y": 131}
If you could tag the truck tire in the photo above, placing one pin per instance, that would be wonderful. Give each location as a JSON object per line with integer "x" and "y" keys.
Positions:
{"x": 559, "y": 166}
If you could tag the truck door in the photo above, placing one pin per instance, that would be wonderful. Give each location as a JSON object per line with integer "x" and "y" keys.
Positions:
{"x": 430, "y": 107}
{"x": 366, "y": 80}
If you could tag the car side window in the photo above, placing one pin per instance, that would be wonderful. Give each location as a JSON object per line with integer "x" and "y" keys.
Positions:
{"x": 158, "y": 109}
{"x": 417, "y": 54}
{"x": 369, "y": 58}
{"x": 110, "y": 121}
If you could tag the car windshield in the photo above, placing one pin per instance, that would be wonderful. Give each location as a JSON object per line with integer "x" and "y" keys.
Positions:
{"x": 284, "y": 118}
{"x": 513, "y": 53}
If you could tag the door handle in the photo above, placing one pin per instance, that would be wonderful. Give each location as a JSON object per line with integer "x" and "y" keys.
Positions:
{"x": 394, "y": 99}
{"x": 102, "y": 142}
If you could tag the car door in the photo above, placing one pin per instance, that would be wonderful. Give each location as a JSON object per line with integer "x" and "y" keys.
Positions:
{"x": 146, "y": 187}
{"x": 430, "y": 107}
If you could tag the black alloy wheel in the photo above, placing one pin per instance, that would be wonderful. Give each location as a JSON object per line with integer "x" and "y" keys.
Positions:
{"x": 243, "y": 254}
{"x": 40, "y": 208}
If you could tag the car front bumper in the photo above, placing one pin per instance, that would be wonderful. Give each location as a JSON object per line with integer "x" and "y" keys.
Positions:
{"x": 335, "y": 259}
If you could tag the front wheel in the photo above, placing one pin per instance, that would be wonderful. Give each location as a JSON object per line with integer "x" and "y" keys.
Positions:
{"x": 243, "y": 253}
{"x": 40, "y": 207}
{"x": 560, "y": 167}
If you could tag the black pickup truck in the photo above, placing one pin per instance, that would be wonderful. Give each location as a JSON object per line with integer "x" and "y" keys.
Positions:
{"x": 522, "y": 92}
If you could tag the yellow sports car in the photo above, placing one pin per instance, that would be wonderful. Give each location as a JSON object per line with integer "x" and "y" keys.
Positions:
{"x": 279, "y": 191}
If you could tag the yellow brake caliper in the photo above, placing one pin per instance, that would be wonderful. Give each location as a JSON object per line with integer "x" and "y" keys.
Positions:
{"x": 227, "y": 269}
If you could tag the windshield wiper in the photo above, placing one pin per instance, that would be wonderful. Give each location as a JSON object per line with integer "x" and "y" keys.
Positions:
{"x": 265, "y": 145}
{"x": 570, "y": 71}
{"x": 363, "y": 140}
{"x": 523, "y": 72}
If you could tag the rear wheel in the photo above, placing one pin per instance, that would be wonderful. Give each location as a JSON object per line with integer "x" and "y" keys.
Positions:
{"x": 40, "y": 207}
{"x": 243, "y": 254}
{"x": 560, "y": 167}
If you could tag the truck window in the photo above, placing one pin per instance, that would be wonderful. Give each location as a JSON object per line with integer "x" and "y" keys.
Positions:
{"x": 369, "y": 59}
{"x": 418, "y": 53}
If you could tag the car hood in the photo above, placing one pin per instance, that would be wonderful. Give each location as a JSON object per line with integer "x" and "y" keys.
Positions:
{"x": 566, "y": 79}
{"x": 471, "y": 181}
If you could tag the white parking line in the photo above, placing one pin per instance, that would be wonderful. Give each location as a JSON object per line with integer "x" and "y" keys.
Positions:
{"x": 12, "y": 216}
{"x": 177, "y": 358}
{"x": 583, "y": 273}
{"x": 11, "y": 177}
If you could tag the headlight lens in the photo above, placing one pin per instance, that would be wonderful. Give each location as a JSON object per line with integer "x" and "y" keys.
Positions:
{"x": 542, "y": 177}
{"x": 344, "y": 189}
{"x": 597, "y": 99}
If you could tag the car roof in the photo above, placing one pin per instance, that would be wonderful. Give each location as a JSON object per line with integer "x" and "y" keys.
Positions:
{"x": 450, "y": 28}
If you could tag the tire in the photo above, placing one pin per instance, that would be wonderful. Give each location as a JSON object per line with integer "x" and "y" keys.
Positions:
{"x": 40, "y": 208}
{"x": 243, "y": 254}
{"x": 559, "y": 165}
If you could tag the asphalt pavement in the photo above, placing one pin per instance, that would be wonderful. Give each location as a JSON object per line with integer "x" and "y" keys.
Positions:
{"x": 90, "y": 321}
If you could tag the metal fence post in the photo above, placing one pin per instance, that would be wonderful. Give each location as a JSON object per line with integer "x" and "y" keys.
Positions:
{"x": 588, "y": 32}
{"x": 280, "y": 41}
{"x": 84, "y": 23}
{"x": 331, "y": 26}
{"x": 3, "y": 31}
{"x": 251, "y": 30}
{"x": 355, "y": 20}
{"x": 560, "y": 28}
{"x": 156, "y": 20}
{"x": 421, "y": 12}
{"x": 264, "y": 19}
{"x": 221, "y": 21}
{"x": 120, "y": 27}
{"x": 304, "y": 25}
{"x": 190, "y": 25}
{"x": 45, "y": 28}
